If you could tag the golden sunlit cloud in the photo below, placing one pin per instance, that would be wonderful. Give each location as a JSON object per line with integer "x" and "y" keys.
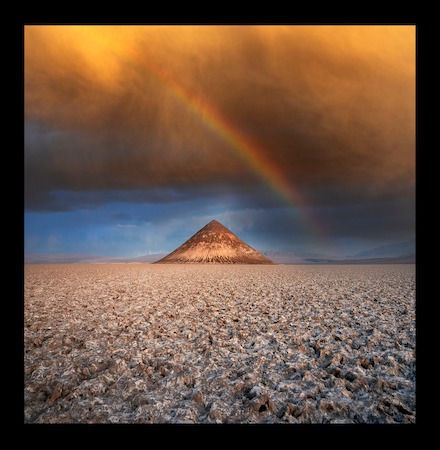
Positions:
{"x": 145, "y": 106}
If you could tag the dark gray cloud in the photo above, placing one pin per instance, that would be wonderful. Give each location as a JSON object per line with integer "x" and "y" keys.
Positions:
{"x": 119, "y": 109}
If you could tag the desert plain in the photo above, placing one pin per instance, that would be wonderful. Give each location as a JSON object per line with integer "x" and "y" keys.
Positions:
{"x": 194, "y": 343}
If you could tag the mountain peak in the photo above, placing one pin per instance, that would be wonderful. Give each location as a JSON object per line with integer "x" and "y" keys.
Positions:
{"x": 214, "y": 223}
{"x": 215, "y": 244}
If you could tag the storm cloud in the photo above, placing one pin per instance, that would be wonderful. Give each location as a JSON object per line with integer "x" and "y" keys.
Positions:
{"x": 327, "y": 105}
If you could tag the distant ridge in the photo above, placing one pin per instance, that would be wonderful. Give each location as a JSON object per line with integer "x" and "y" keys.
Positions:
{"x": 79, "y": 258}
{"x": 215, "y": 244}
{"x": 399, "y": 250}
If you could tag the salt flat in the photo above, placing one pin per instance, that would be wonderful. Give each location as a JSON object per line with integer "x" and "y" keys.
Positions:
{"x": 141, "y": 343}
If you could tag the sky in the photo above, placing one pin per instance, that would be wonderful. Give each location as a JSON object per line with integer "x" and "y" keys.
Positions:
{"x": 296, "y": 138}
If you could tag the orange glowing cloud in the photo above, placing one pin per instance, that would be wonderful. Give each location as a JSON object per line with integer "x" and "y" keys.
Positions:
{"x": 145, "y": 106}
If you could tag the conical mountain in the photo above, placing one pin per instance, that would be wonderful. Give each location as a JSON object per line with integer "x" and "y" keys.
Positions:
{"x": 214, "y": 243}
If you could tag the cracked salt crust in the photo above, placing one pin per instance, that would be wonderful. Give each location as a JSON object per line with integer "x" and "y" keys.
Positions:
{"x": 141, "y": 343}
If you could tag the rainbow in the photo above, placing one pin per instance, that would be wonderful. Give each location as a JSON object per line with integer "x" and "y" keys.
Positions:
{"x": 248, "y": 150}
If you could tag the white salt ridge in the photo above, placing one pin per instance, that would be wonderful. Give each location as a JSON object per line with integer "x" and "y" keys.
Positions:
{"x": 219, "y": 344}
